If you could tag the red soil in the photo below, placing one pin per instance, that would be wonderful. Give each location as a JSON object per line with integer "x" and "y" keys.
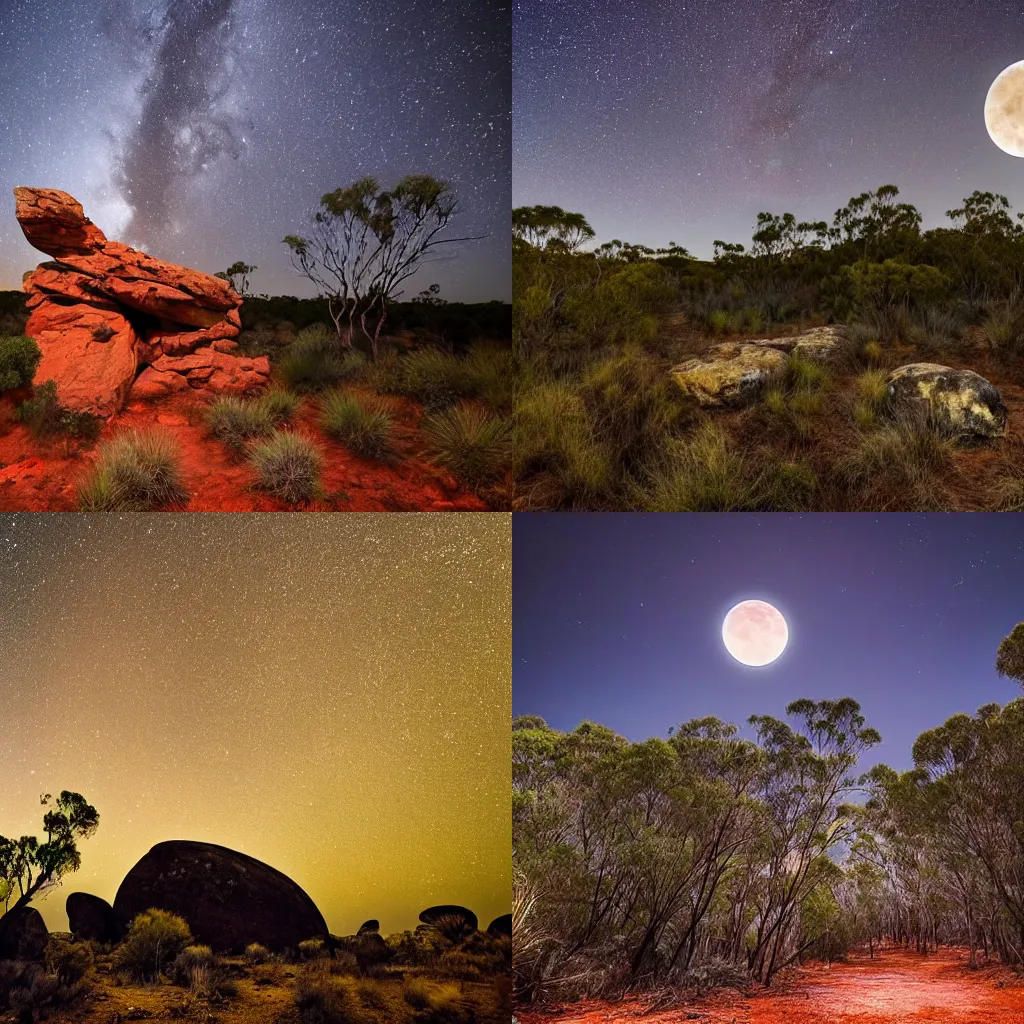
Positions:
{"x": 893, "y": 988}
{"x": 41, "y": 476}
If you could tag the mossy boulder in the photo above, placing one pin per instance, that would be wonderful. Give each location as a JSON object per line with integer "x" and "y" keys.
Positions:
{"x": 956, "y": 403}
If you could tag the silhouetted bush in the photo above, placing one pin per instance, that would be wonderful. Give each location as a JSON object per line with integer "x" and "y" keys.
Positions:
{"x": 154, "y": 940}
{"x": 19, "y": 357}
{"x": 137, "y": 471}
{"x": 256, "y": 953}
{"x": 314, "y": 361}
{"x": 69, "y": 961}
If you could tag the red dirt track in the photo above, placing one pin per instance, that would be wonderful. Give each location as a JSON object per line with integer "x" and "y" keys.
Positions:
{"x": 894, "y": 988}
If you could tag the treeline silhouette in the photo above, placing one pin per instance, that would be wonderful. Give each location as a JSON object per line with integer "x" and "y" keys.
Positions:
{"x": 707, "y": 858}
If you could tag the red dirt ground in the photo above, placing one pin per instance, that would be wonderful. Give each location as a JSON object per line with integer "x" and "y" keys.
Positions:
{"x": 41, "y": 476}
{"x": 894, "y": 988}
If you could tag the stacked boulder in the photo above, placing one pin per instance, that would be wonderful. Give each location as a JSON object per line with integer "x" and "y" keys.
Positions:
{"x": 111, "y": 320}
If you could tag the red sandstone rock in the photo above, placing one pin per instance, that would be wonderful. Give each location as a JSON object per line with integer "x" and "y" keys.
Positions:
{"x": 102, "y": 311}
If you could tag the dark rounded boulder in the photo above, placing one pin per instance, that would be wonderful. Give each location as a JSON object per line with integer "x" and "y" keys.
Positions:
{"x": 90, "y": 917}
{"x": 228, "y": 898}
{"x": 452, "y": 921}
{"x": 501, "y": 926}
{"x": 370, "y": 949}
{"x": 368, "y": 927}
{"x": 23, "y": 935}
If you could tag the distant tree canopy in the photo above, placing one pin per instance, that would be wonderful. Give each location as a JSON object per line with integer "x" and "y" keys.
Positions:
{"x": 367, "y": 241}
{"x": 237, "y": 275}
{"x": 643, "y": 864}
{"x": 28, "y": 867}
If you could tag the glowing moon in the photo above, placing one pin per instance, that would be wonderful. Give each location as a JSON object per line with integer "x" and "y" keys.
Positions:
{"x": 755, "y": 633}
{"x": 1004, "y": 110}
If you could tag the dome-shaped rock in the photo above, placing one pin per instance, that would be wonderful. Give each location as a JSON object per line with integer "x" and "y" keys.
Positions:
{"x": 958, "y": 403}
{"x": 23, "y": 935}
{"x": 368, "y": 926}
{"x": 90, "y": 917}
{"x": 500, "y": 925}
{"x": 451, "y": 920}
{"x": 228, "y": 899}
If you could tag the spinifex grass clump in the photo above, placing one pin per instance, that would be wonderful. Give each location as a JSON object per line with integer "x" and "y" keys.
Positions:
{"x": 470, "y": 442}
{"x": 288, "y": 466}
{"x": 137, "y": 471}
{"x": 364, "y": 425}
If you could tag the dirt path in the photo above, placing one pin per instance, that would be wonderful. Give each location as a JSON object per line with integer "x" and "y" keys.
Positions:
{"x": 893, "y": 988}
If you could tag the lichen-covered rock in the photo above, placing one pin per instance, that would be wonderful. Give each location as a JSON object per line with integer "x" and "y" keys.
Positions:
{"x": 23, "y": 935}
{"x": 90, "y": 917}
{"x": 957, "y": 403}
{"x": 229, "y": 900}
{"x": 733, "y": 373}
{"x": 157, "y": 309}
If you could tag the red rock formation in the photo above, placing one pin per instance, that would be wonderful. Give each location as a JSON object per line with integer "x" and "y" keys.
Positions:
{"x": 110, "y": 319}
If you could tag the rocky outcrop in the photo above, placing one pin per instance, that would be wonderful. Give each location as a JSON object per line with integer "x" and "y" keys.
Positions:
{"x": 104, "y": 314}
{"x": 23, "y": 935}
{"x": 733, "y": 373}
{"x": 90, "y": 917}
{"x": 452, "y": 921}
{"x": 500, "y": 926}
{"x": 369, "y": 927}
{"x": 956, "y": 403}
{"x": 228, "y": 899}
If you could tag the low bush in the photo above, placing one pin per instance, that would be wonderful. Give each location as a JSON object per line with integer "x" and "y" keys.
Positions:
{"x": 256, "y": 953}
{"x": 314, "y": 361}
{"x": 287, "y": 466}
{"x": 236, "y": 421}
{"x": 154, "y": 940}
{"x": 68, "y": 961}
{"x": 19, "y": 357}
{"x": 45, "y": 416}
{"x": 470, "y": 442}
{"x": 190, "y": 960}
{"x": 713, "y": 973}
{"x": 364, "y": 425}
{"x": 137, "y": 471}
{"x": 325, "y": 998}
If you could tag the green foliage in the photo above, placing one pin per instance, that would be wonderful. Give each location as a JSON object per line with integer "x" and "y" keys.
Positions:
{"x": 470, "y": 442}
{"x": 154, "y": 940}
{"x": 137, "y": 471}
{"x": 235, "y": 421}
{"x": 68, "y": 961}
{"x": 19, "y": 357}
{"x": 1010, "y": 658}
{"x": 45, "y": 416}
{"x": 364, "y": 425}
{"x": 314, "y": 361}
{"x": 287, "y": 466}
{"x": 33, "y": 868}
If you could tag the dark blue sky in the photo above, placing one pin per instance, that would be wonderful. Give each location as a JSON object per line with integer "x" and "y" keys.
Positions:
{"x": 617, "y": 617}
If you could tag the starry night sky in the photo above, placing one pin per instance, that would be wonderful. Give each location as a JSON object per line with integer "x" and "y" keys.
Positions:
{"x": 617, "y": 618}
{"x": 666, "y": 120}
{"x": 207, "y": 130}
{"x": 328, "y": 693}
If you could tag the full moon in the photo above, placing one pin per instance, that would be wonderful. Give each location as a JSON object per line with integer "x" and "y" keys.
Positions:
{"x": 1004, "y": 110}
{"x": 755, "y": 633}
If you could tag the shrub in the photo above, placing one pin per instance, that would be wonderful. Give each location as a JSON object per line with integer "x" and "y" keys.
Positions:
{"x": 44, "y": 415}
{"x": 313, "y": 361}
{"x": 256, "y": 953}
{"x": 436, "y": 379}
{"x": 235, "y": 421}
{"x": 474, "y": 445}
{"x": 713, "y": 973}
{"x": 491, "y": 374}
{"x": 325, "y": 998}
{"x": 441, "y": 1003}
{"x": 701, "y": 474}
{"x": 68, "y": 961}
{"x": 19, "y": 357}
{"x": 288, "y": 466}
{"x": 189, "y": 961}
{"x": 278, "y": 404}
{"x": 137, "y": 471}
{"x": 1003, "y": 327}
{"x": 364, "y": 426}
{"x": 154, "y": 939}
{"x": 312, "y": 949}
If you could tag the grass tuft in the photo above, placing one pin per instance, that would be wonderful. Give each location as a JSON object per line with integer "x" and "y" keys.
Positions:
{"x": 470, "y": 442}
{"x": 137, "y": 471}
{"x": 287, "y": 466}
{"x": 364, "y": 425}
